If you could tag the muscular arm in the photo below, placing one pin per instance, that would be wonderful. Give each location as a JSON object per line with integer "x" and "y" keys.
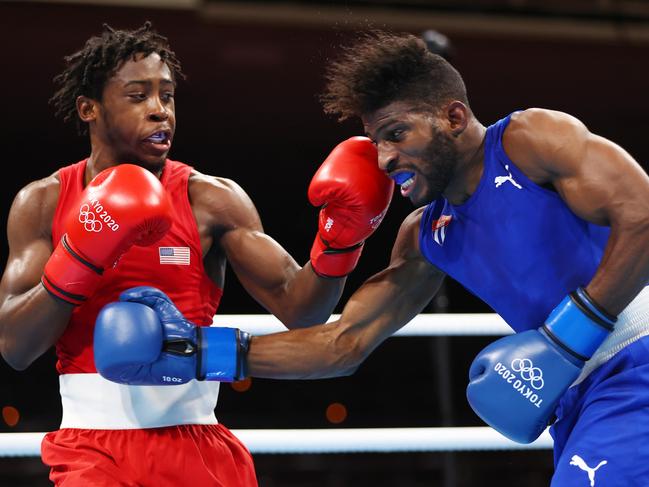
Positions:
{"x": 601, "y": 183}
{"x": 296, "y": 295}
{"x": 30, "y": 319}
{"x": 383, "y": 304}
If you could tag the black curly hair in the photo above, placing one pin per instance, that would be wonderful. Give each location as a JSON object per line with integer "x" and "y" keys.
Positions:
{"x": 90, "y": 68}
{"x": 382, "y": 67}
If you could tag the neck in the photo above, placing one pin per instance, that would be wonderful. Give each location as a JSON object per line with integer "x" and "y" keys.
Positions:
{"x": 470, "y": 163}
{"x": 101, "y": 158}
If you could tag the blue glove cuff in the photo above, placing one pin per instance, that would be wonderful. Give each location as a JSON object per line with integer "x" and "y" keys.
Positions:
{"x": 223, "y": 352}
{"x": 579, "y": 325}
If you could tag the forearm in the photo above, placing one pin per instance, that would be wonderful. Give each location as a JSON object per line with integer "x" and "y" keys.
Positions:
{"x": 382, "y": 305}
{"x": 317, "y": 352}
{"x": 296, "y": 295}
{"x": 624, "y": 269}
{"x": 326, "y": 350}
{"x": 332, "y": 349}
{"x": 309, "y": 298}
{"x": 30, "y": 323}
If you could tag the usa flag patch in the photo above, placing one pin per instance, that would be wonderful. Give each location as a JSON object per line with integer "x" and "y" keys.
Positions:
{"x": 174, "y": 255}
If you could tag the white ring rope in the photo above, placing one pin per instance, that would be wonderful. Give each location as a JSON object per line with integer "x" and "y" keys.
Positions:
{"x": 352, "y": 440}
{"x": 336, "y": 440}
{"x": 425, "y": 324}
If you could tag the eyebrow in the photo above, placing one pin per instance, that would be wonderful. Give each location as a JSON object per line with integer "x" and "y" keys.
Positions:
{"x": 384, "y": 126}
{"x": 148, "y": 82}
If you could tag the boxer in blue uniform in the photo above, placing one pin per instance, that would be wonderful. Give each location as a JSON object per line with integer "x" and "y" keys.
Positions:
{"x": 545, "y": 221}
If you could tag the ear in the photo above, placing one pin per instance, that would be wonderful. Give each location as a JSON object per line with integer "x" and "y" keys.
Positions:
{"x": 457, "y": 114}
{"x": 87, "y": 108}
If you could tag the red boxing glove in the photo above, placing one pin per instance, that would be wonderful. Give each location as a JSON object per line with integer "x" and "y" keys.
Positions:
{"x": 354, "y": 195}
{"x": 122, "y": 206}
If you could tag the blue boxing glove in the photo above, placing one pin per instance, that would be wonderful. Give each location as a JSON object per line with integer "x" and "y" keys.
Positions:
{"x": 145, "y": 340}
{"x": 516, "y": 382}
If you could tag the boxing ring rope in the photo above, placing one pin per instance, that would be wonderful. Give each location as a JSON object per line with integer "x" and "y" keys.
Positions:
{"x": 424, "y": 324}
{"x": 352, "y": 440}
{"x": 335, "y": 440}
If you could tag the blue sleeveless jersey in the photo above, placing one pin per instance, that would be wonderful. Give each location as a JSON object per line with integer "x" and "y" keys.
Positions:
{"x": 515, "y": 245}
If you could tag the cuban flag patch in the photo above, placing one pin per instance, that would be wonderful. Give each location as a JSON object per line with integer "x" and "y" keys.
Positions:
{"x": 174, "y": 255}
{"x": 439, "y": 228}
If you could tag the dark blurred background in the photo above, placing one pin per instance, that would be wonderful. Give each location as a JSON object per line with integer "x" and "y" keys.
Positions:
{"x": 249, "y": 111}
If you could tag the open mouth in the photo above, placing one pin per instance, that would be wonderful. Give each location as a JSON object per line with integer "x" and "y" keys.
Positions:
{"x": 405, "y": 180}
{"x": 160, "y": 140}
{"x": 158, "y": 137}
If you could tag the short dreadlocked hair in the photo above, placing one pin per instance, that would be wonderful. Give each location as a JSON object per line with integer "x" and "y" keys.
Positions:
{"x": 90, "y": 68}
{"x": 380, "y": 68}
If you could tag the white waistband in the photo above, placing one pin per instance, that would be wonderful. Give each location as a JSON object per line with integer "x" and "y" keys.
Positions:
{"x": 632, "y": 324}
{"x": 92, "y": 402}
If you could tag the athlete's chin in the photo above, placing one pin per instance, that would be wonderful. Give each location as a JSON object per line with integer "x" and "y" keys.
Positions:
{"x": 422, "y": 199}
{"x": 152, "y": 162}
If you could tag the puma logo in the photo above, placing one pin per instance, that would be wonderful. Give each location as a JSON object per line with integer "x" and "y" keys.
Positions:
{"x": 500, "y": 180}
{"x": 577, "y": 461}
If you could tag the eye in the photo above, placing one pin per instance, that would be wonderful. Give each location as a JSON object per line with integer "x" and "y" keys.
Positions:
{"x": 137, "y": 96}
{"x": 395, "y": 135}
{"x": 168, "y": 96}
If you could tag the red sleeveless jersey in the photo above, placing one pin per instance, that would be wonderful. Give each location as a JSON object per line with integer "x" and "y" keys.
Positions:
{"x": 174, "y": 265}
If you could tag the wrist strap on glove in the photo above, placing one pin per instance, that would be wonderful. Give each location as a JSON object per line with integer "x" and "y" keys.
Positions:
{"x": 68, "y": 276}
{"x": 579, "y": 325}
{"x": 222, "y": 353}
{"x": 334, "y": 263}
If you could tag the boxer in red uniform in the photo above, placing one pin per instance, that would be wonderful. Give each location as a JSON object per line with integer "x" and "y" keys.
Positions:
{"x": 128, "y": 216}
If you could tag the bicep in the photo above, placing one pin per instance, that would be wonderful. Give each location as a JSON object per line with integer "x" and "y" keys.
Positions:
{"x": 393, "y": 297}
{"x": 596, "y": 178}
{"x": 29, "y": 246}
{"x": 24, "y": 268}
{"x": 261, "y": 264}
{"x": 387, "y": 301}
{"x": 602, "y": 183}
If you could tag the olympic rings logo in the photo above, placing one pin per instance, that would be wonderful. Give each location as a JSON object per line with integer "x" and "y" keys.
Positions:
{"x": 90, "y": 222}
{"x": 531, "y": 374}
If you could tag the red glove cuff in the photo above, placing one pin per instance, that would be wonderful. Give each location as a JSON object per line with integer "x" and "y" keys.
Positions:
{"x": 329, "y": 262}
{"x": 68, "y": 276}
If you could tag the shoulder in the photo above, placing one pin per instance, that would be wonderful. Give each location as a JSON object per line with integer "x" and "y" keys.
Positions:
{"x": 203, "y": 186}
{"x": 36, "y": 204}
{"x": 407, "y": 242}
{"x": 540, "y": 128}
{"x": 536, "y": 139}
{"x": 413, "y": 220}
{"x": 406, "y": 249}
{"x": 41, "y": 193}
{"x": 220, "y": 201}
{"x": 539, "y": 121}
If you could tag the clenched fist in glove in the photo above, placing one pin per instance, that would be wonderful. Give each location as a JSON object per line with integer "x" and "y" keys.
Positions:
{"x": 517, "y": 381}
{"x": 122, "y": 206}
{"x": 143, "y": 339}
{"x": 354, "y": 195}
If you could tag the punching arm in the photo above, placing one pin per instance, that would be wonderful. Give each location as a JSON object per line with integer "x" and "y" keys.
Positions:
{"x": 383, "y": 304}
{"x": 144, "y": 339}
{"x": 295, "y": 294}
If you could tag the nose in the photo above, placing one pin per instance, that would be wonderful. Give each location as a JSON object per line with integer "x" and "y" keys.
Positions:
{"x": 387, "y": 156}
{"x": 159, "y": 111}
